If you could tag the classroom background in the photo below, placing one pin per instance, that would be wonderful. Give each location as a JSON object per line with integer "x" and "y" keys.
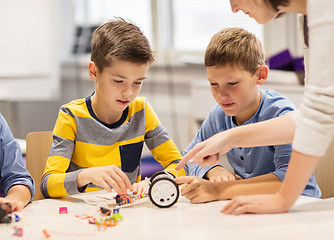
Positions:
{"x": 45, "y": 48}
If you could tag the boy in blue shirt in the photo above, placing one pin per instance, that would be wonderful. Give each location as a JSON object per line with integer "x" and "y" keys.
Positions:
{"x": 16, "y": 184}
{"x": 234, "y": 61}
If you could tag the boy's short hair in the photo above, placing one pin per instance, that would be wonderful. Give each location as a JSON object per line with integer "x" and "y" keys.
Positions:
{"x": 235, "y": 46}
{"x": 122, "y": 40}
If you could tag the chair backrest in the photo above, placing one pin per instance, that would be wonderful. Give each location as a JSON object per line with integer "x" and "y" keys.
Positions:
{"x": 324, "y": 173}
{"x": 38, "y": 147}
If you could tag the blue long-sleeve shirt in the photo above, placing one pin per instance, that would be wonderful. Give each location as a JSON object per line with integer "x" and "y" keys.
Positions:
{"x": 255, "y": 161}
{"x": 12, "y": 170}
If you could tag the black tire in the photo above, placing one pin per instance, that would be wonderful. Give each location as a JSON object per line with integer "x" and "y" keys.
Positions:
{"x": 159, "y": 175}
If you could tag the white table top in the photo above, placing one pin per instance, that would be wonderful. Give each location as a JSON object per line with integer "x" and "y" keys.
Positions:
{"x": 309, "y": 218}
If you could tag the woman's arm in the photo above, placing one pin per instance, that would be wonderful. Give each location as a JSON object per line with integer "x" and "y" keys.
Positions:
{"x": 315, "y": 123}
{"x": 275, "y": 131}
{"x": 294, "y": 183}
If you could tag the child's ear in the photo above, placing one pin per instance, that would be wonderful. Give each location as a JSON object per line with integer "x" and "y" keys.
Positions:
{"x": 92, "y": 70}
{"x": 263, "y": 74}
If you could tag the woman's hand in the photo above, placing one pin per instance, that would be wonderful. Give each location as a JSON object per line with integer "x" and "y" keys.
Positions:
{"x": 207, "y": 153}
{"x": 263, "y": 203}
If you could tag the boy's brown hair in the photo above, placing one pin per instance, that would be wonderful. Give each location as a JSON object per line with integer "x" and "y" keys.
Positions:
{"x": 122, "y": 40}
{"x": 235, "y": 46}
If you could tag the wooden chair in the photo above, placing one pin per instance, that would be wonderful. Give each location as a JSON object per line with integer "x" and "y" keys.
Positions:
{"x": 38, "y": 147}
{"x": 324, "y": 173}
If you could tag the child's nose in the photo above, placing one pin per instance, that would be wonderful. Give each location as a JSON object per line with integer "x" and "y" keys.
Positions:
{"x": 223, "y": 92}
{"x": 127, "y": 92}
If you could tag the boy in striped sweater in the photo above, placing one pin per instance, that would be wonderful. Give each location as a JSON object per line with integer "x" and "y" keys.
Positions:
{"x": 98, "y": 140}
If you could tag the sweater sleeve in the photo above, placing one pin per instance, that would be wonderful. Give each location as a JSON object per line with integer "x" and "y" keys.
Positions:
{"x": 56, "y": 182}
{"x": 315, "y": 120}
{"x": 12, "y": 169}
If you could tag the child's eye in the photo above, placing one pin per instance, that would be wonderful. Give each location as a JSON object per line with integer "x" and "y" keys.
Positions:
{"x": 118, "y": 81}
{"x": 213, "y": 84}
{"x": 233, "y": 83}
{"x": 138, "y": 83}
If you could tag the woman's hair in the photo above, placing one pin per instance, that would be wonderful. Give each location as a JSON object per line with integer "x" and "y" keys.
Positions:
{"x": 275, "y": 3}
{"x": 235, "y": 47}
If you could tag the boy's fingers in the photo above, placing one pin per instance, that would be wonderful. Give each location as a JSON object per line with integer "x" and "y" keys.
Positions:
{"x": 108, "y": 184}
{"x": 182, "y": 180}
{"x": 117, "y": 180}
{"x": 218, "y": 179}
{"x": 146, "y": 190}
{"x": 233, "y": 177}
{"x": 19, "y": 206}
{"x": 13, "y": 205}
{"x": 143, "y": 189}
{"x": 225, "y": 178}
{"x": 125, "y": 180}
{"x": 135, "y": 187}
{"x": 192, "y": 193}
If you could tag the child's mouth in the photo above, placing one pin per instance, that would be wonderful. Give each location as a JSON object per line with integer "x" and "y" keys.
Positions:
{"x": 123, "y": 102}
{"x": 227, "y": 105}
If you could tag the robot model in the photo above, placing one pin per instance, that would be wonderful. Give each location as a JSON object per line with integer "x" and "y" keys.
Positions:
{"x": 163, "y": 192}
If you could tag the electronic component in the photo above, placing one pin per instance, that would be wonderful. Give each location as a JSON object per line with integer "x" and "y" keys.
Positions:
{"x": 129, "y": 199}
{"x": 18, "y": 231}
{"x": 62, "y": 210}
{"x": 163, "y": 192}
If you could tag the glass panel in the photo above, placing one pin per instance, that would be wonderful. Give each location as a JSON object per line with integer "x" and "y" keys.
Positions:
{"x": 96, "y": 12}
{"x": 196, "y": 21}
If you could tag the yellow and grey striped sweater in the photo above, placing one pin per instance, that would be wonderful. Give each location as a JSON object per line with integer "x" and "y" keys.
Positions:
{"x": 81, "y": 140}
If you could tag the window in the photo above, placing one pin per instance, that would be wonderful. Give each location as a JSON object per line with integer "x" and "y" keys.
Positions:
{"x": 89, "y": 14}
{"x": 196, "y": 21}
{"x": 96, "y": 12}
{"x": 170, "y": 25}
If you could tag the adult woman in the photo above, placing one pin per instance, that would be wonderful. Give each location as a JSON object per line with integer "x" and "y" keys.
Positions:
{"x": 311, "y": 128}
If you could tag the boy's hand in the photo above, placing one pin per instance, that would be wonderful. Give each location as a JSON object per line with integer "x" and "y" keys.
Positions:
{"x": 141, "y": 187}
{"x": 106, "y": 177}
{"x": 219, "y": 174}
{"x": 198, "y": 190}
{"x": 15, "y": 205}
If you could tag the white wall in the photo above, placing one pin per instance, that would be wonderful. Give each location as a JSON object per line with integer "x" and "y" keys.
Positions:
{"x": 29, "y": 46}
{"x": 281, "y": 34}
